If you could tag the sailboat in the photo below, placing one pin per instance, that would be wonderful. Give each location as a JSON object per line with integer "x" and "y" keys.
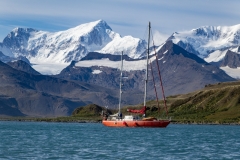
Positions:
{"x": 116, "y": 120}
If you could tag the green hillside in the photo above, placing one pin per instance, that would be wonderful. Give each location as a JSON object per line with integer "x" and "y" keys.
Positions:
{"x": 89, "y": 112}
{"x": 218, "y": 103}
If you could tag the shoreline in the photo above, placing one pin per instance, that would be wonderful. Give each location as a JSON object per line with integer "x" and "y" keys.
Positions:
{"x": 100, "y": 121}
{"x": 50, "y": 120}
{"x": 206, "y": 123}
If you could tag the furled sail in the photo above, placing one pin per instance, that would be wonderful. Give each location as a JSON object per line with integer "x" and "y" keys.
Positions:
{"x": 139, "y": 111}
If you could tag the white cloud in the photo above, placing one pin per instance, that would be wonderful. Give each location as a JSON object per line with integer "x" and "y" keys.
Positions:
{"x": 159, "y": 38}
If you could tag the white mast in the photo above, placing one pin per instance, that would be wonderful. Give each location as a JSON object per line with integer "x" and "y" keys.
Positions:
{"x": 120, "y": 94}
{"x": 146, "y": 78}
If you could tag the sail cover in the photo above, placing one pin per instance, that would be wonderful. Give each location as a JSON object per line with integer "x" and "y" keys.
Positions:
{"x": 139, "y": 111}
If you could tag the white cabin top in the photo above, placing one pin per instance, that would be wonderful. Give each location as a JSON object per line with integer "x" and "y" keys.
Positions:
{"x": 130, "y": 118}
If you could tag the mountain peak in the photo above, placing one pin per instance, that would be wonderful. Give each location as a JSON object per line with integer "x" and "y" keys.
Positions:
{"x": 42, "y": 47}
{"x": 218, "y": 31}
{"x": 231, "y": 59}
{"x": 23, "y": 30}
{"x": 207, "y": 39}
{"x": 19, "y": 32}
{"x": 99, "y": 25}
{"x": 101, "y": 22}
{"x": 173, "y": 49}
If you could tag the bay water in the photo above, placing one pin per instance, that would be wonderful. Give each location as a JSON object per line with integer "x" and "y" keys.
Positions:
{"x": 43, "y": 140}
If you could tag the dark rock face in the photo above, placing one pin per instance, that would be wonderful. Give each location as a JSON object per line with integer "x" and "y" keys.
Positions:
{"x": 4, "y": 58}
{"x": 9, "y": 107}
{"x": 27, "y": 94}
{"x": 23, "y": 66}
{"x": 188, "y": 47}
{"x": 181, "y": 72}
{"x": 231, "y": 59}
{"x": 109, "y": 77}
{"x": 17, "y": 39}
{"x": 96, "y": 55}
{"x": 38, "y": 95}
{"x": 33, "y": 95}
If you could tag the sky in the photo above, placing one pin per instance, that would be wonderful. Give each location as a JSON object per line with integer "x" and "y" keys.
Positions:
{"x": 126, "y": 17}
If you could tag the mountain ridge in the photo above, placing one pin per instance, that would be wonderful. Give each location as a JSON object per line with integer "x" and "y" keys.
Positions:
{"x": 175, "y": 64}
{"x": 24, "y": 94}
{"x": 94, "y": 78}
{"x": 206, "y": 39}
{"x": 62, "y": 47}
{"x": 59, "y": 49}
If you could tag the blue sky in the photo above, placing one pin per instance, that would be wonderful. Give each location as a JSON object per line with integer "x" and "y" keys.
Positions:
{"x": 127, "y": 17}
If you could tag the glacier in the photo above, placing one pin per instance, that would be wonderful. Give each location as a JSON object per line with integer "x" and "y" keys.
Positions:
{"x": 208, "y": 39}
{"x": 51, "y": 52}
{"x": 127, "y": 65}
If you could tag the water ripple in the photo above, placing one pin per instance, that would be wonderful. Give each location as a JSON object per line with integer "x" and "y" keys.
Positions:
{"x": 41, "y": 140}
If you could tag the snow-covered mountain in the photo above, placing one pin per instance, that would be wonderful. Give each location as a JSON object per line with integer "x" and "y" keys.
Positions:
{"x": 131, "y": 46}
{"x": 218, "y": 55}
{"x": 212, "y": 44}
{"x": 208, "y": 40}
{"x": 6, "y": 59}
{"x": 231, "y": 62}
{"x": 181, "y": 71}
{"x": 60, "y": 48}
{"x": 51, "y": 52}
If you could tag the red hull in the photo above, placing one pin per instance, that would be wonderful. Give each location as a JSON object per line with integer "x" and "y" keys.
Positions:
{"x": 158, "y": 123}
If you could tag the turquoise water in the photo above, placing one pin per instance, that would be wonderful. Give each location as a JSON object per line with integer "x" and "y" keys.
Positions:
{"x": 41, "y": 140}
